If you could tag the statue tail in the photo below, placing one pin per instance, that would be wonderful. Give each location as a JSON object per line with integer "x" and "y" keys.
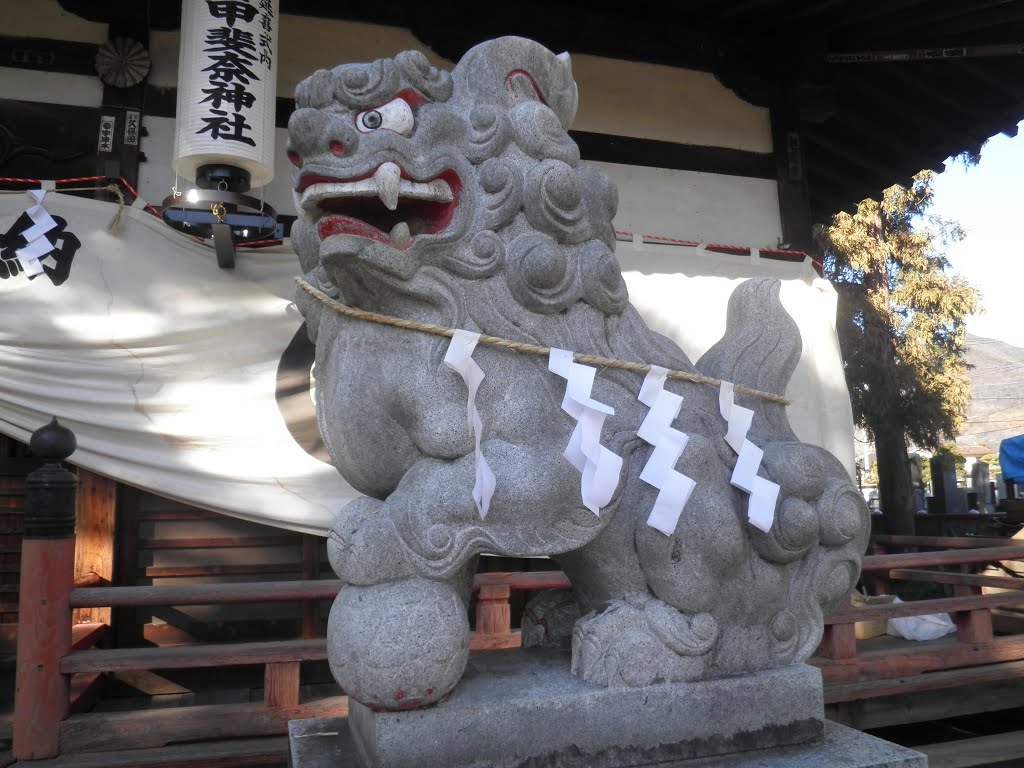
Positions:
{"x": 760, "y": 349}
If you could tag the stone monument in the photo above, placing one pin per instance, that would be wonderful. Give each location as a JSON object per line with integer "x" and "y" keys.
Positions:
{"x": 703, "y": 540}
{"x": 981, "y": 485}
{"x": 949, "y": 497}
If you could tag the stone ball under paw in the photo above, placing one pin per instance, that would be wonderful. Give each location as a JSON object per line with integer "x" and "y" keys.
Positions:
{"x": 401, "y": 645}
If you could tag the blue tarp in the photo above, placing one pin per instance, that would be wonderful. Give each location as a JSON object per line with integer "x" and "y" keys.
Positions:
{"x": 1011, "y": 458}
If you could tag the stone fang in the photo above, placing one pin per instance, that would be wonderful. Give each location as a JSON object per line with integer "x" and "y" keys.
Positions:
{"x": 400, "y": 235}
{"x": 436, "y": 191}
{"x": 388, "y": 180}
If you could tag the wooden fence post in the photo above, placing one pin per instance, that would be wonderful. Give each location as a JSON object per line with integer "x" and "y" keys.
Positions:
{"x": 94, "y": 542}
{"x": 47, "y": 577}
{"x": 493, "y": 613}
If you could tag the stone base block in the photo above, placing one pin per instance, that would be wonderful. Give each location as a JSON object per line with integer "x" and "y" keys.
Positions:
{"x": 525, "y": 708}
{"x": 327, "y": 743}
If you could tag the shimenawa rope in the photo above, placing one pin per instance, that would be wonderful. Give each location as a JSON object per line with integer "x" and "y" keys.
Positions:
{"x": 518, "y": 346}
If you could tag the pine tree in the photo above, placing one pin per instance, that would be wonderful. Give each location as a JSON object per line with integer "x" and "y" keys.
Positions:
{"x": 901, "y": 330}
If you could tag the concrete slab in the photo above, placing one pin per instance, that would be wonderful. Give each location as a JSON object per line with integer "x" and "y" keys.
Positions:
{"x": 327, "y": 743}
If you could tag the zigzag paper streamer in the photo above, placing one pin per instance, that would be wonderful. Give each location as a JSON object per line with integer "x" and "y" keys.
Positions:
{"x": 459, "y": 358}
{"x": 674, "y": 488}
{"x": 763, "y": 493}
{"x": 37, "y": 243}
{"x": 600, "y": 467}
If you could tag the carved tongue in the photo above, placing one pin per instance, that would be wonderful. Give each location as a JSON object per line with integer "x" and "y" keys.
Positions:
{"x": 400, "y": 235}
{"x": 387, "y": 180}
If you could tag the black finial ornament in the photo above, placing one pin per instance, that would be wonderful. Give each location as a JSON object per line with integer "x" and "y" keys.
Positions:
{"x": 53, "y": 442}
{"x": 50, "y": 489}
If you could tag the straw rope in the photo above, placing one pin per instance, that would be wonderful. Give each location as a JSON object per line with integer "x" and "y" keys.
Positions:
{"x": 518, "y": 346}
{"x": 115, "y": 223}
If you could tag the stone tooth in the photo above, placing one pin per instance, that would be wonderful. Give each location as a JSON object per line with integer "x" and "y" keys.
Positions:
{"x": 387, "y": 180}
{"x": 400, "y": 235}
{"x": 441, "y": 191}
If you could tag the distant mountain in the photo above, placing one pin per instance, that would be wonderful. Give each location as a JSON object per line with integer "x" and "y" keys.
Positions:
{"x": 997, "y": 395}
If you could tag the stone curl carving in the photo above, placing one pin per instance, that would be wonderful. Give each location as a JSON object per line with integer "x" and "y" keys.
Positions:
{"x": 468, "y": 208}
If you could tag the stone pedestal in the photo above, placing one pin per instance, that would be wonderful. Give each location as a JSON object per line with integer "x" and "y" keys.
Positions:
{"x": 524, "y": 708}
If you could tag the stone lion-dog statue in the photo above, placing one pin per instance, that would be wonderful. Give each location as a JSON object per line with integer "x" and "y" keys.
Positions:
{"x": 459, "y": 199}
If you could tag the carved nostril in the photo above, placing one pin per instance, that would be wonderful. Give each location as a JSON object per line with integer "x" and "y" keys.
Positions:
{"x": 337, "y": 147}
{"x": 294, "y": 158}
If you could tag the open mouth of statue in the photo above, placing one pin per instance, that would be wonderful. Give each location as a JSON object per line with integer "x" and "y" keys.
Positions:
{"x": 386, "y": 206}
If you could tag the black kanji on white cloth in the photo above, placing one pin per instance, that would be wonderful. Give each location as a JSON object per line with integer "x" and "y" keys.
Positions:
{"x": 56, "y": 264}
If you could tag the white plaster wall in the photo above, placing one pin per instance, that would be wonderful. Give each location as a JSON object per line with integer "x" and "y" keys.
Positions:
{"x": 706, "y": 207}
{"x": 623, "y": 98}
{"x": 649, "y": 101}
{"x": 46, "y": 18}
{"x": 50, "y": 87}
{"x": 683, "y": 294}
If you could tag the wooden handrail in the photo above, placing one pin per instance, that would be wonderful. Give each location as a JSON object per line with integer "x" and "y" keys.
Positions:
{"x": 206, "y": 594}
{"x": 960, "y": 579}
{"x": 278, "y": 591}
{"x": 873, "y": 563}
{"x": 945, "y": 542}
{"x": 925, "y": 607}
{"x": 523, "y": 581}
{"x": 189, "y": 656}
{"x": 90, "y": 579}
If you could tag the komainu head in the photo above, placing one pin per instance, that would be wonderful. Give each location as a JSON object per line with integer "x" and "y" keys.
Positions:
{"x": 400, "y": 166}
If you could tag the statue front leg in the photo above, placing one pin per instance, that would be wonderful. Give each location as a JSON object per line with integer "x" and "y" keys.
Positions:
{"x": 395, "y": 640}
{"x": 398, "y": 635}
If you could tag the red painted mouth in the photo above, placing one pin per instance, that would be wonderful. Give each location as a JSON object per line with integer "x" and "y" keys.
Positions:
{"x": 355, "y": 206}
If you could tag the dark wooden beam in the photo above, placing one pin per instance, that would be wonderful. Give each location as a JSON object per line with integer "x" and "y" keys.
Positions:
{"x": 866, "y": 109}
{"x": 910, "y": 705}
{"x": 974, "y": 16}
{"x": 992, "y": 76}
{"x": 126, "y": 104}
{"x": 728, "y": 12}
{"x": 48, "y": 55}
{"x": 869, "y": 12}
{"x": 820, "y": 16}
{"x": 933, "y": 681}
{"x": 851, "y": 156}
{"x": 791, "y": 176}
{"x": 628, "y": 150}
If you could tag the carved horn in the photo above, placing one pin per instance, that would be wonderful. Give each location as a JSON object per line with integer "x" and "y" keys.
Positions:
{"x": 511, "y": 69}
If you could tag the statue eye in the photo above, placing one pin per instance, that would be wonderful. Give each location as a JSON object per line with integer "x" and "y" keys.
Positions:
{"x": 395, "y": 116}
{"x": 371, "y": 120}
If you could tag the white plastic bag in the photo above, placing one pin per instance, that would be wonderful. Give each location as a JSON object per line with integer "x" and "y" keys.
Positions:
{"x": 930, "y": 627}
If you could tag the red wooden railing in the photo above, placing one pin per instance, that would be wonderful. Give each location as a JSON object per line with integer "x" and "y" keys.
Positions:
{"x": 79, "y": 732}
{"x": 851, "y": 669}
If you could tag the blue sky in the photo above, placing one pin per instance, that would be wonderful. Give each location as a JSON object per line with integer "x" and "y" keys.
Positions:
{"x": 988, "y": 201}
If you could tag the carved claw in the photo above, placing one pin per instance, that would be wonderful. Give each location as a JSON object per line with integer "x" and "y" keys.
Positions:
{"x": 363, "y": 545}
{"x": 686, "y": 635}
{"x": 641, "y": 640}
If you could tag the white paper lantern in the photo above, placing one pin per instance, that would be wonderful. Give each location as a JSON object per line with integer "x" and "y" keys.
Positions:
{"x": 227, "y": 85}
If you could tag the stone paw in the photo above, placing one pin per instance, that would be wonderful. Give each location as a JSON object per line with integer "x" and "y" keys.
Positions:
{"x": 548, "y": 619}
{"x": 363, "y": 545}
{"x": 641, "y": 641}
